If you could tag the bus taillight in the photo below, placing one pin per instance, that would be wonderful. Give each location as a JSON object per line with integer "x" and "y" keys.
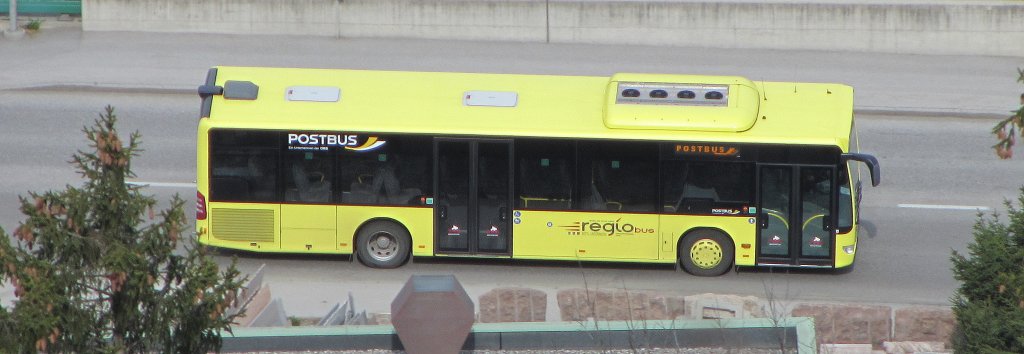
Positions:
{"x": 200, "y": 206}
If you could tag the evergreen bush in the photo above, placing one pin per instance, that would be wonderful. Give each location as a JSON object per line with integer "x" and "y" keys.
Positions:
{"x": 96, "y": 268}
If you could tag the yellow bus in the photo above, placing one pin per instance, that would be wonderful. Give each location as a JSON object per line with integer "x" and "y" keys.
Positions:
{"x": 706, "y": 172}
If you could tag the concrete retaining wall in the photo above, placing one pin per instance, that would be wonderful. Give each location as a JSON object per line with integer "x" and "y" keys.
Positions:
{"x": 949, "y": 27}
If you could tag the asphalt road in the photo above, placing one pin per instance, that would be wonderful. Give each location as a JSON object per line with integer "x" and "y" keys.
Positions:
{"x": 883, "y": 82}
{"x": 903, "y": 256}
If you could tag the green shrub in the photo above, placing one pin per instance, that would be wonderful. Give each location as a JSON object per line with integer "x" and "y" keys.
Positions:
{"x": 34, "y": 25}
{"x": 989, "y": 305}
{"x": 97, "y": 269}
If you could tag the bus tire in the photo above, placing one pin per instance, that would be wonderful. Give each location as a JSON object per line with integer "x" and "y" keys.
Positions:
{"x": 706, "y": 253}
{"x": 383, "y": 244}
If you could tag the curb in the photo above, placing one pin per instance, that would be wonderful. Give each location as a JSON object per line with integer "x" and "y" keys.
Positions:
{"x": 107, "y": 88}
{"x": 933, "y": 113}
{"x": 191, "y": 90}
{"x": 725, "y": 333}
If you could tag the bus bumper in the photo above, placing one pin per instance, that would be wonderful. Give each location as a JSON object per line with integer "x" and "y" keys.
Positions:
{"x": 846, "y": 249}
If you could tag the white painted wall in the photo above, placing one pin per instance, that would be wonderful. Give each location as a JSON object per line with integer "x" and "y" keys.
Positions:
{"x": 941, "y": 27}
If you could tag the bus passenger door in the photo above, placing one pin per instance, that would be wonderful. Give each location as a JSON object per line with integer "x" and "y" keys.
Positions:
{"x": 795, "y": 215}
{"x": 471, "y": 210}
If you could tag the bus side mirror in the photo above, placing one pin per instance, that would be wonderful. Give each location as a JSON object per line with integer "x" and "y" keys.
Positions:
{"x": 871, "y": 161}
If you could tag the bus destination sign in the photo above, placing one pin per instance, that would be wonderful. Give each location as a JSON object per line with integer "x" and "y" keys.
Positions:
{"x": 706, "y": 150}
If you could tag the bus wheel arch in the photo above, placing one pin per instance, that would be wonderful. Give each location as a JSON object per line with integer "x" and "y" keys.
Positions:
{"x": 706, "y": 252}
{"x": 383, "y": 243}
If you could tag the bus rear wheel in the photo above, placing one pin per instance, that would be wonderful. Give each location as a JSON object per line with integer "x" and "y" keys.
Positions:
{"x": 706, "y": 253}
{"x": 383, "y": 244}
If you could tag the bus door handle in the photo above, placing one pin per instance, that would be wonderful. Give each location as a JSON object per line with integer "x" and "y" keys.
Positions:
{"x": 826, "y": 222}
{"x": 442, "y": 212}
{"x": 502, "y": 211}
{"x": 762, "y": 221}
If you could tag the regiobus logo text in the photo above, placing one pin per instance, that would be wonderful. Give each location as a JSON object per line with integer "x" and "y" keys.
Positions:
{"x": 606, "y": 228}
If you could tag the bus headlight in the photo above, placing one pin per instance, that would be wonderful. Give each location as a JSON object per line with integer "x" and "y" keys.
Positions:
{"x": 848, "y": 249}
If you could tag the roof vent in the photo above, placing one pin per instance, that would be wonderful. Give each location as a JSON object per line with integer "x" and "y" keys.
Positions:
{"x": 681, "y": 102}
{"x": 686, "y": 94}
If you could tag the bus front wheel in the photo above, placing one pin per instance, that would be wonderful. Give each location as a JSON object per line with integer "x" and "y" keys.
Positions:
{"x": 383, "y": 244}
{"x": 706, "y": 253}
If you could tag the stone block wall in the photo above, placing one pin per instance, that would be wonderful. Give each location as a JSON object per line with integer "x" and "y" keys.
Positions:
{"x": 849, "y": 324}
{"x": 513, "y": 305}
{"x": 946, "y": 27}
{"x": 718, "y": 306}
{"x": 618, "y": 305}
{"x": 924, "y": 324}
{"x": 895, "y": 329}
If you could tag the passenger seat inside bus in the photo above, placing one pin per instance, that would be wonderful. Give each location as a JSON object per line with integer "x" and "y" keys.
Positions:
{"x": 360, "y": 191}
{"x": 387, "y": 189}
{"x": 309, "y": 187}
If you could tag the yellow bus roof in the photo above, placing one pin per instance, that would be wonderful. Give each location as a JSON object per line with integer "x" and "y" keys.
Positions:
{"x": 541, "y": 106}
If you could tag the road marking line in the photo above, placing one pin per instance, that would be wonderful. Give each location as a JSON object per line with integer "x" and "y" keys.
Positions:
{"x": 945, "y": 207}
{"x": 161, "y": 184}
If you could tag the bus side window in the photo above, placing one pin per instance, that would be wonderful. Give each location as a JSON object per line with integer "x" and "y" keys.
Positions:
{"x": 697, "y": 187}
{"x": 616, "y": 176}
{"x": 544, "y": 174}
{"x": 398, "y": 173}
{"x": 243, "y": 166}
